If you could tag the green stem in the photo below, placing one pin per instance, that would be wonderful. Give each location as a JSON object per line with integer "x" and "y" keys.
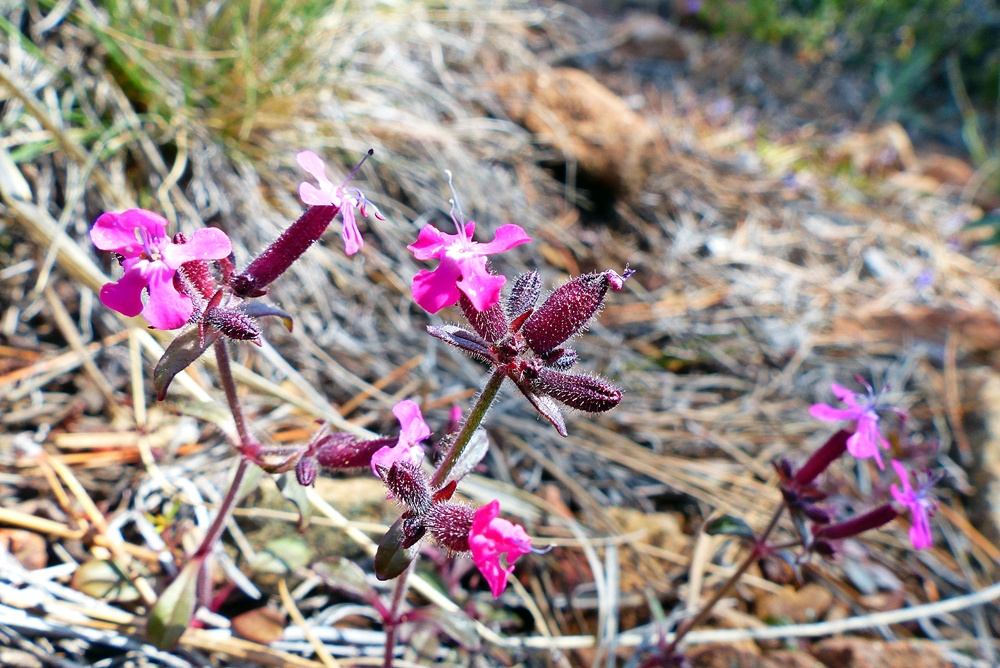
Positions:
{"x": 706, "y": 609}
{"x": 464, "y": 437}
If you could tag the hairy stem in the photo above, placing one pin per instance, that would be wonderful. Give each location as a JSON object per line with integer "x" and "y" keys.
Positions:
{"x": 720, "y": 593}
{"x": 475, "y": 419}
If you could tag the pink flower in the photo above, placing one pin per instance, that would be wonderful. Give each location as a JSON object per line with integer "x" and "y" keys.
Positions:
{"x": 919, "y": 502}
{"x": 492, "y": 536}
{"x": 150, "y": 260}
{"x": 330, "y": 195}
{"x": 865, "y": 441}
{"x": 413, "y": 429}
{"x": 462, "y": 267}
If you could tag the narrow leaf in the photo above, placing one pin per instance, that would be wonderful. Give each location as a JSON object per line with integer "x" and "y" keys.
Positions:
{"x": 346, "y": 576}
{"x": 256, "y": 309}
{"x": 392, "y": 558}
{"x": 173, "y": 611}
{"x": 727, "y": 525}
{"x": 455, "y": 624}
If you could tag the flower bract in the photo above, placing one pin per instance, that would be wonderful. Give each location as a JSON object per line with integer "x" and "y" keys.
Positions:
{"x": 151, "y": 259}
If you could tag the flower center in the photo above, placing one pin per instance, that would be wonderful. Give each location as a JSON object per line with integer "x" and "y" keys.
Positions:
{"x": 148, "y": 242}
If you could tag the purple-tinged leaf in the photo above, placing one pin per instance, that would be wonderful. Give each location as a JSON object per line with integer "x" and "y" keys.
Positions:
{"x": 546, "y": 406}
{"x": 464, "y": 339}
{"x": 256, "y": 309}
{"x": 179, "y": 355}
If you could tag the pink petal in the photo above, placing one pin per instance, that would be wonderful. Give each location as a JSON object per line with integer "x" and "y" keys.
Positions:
{"x": 125, "y": 296}
{"x": 313, "y": 196}
{"x": 208, "y": 243}
{"x": 413, "y": 429}
{"x": 431, "y": 243}
{"x": 116, "y": 231}
{"x": 479, "y": 285}
{"x": 831, "y": 414}
{"x": 313, "y": 165}
{"x": 166, "y": 308}
{"x": 904, "y": 477}
{"x": 507, "y": 237}
{"x": 385, "y": 457}
{"x": 433, "y": 290}
{"x": 353, "y": 241}
{"x": 844, "y": 394}
{"x": 920, "y": 531}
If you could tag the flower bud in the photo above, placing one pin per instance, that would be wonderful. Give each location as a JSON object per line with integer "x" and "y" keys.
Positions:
{"x": 568, "y": 310}
{"x": 490, "y": 324}
{"x": 198, "y": 274}
{"x": 562, "y": 359}
{"x": 835, "y": 446}
{"x": 341, "y": 450}
{"x": 233, "y": 323}
{"x": 408, "y": 483}
{"x": 286, "y": 249}
{"x": 586, "y": 393}
{"x": 873, "y": 519}
{"x": 524, "y": 294}
{"x": 450, "y": 523}
{"x": 306, "y": 471}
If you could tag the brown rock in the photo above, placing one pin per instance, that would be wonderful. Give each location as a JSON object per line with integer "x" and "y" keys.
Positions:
{"x": 789, "y": 659}
{"x": 569, "y": 109}
{"x": 795, "y": 607}
{"x": 864, "y": 653}
{"x": 743, "y": 654}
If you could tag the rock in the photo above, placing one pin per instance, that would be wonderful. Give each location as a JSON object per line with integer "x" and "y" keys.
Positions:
{"x": 803, "y": 606}
{"x": 611, "y": 145}
{"x": 864, "y": 653}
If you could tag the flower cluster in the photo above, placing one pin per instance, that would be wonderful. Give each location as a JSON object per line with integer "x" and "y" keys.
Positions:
{"x": 802, "y": 496}
{"x": 526, "y": 343}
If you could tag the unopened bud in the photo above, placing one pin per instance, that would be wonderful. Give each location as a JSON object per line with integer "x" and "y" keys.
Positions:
{"x": 873, "y": 519}
{"x": 408, "y": 484}
{"x": 450, "y": 524}
{"x": 490, "y": 324}
{"x": 286, "y": 249}
{"x": 524, "y": 294}
{"x": 233, "y": 323}
{"x": 341, "y": 450}
{"x": 583, "y": 392}
{"x": 306, "y": 471}
{"x": 827, "y": 453}
{"x": 568, "y": 310}
{"x": 561, "y": 359}
{"x": 199, "y": 275}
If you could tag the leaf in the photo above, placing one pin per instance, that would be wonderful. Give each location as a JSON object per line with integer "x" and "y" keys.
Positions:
{"x": 546, "y": 406}
{"x": 104, "y": 580}
{"x": 179, "y": 355}
{"x": 479, "y": 445}
{"x": 256, "y": 309}
{"x": 727, "y": 525}
{"x": 173, "y": 611}
{"x": 468, "y": 341}
{"x": 456, "y": 625}
{"x": 346, "y": 576}
{"x": 262, "y": 625}
{"x": 282, "y": 555}
{"x": 392, "y": 558}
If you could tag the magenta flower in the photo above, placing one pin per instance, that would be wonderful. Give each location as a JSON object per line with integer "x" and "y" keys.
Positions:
{"x": 413, "y": 429}
{"x": 865, "y": 441}
{"x": 462, "y": 267}
{"x": 920, "y": 504}
{"x": 151, "y": 259}
{"x": 492, "y": 536}
{"x": 330, "y": 195}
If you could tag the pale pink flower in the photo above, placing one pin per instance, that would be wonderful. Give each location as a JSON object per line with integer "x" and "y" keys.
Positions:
{"x": 492, "y": 536}
{"x": 863, "y": 409}
{"x": 151, "y": 259}
{"x": 413, "y": 429}
{"x": 328, "y": 194}
{"x": 462, "y": 267}
{"x": 920, "y": 504}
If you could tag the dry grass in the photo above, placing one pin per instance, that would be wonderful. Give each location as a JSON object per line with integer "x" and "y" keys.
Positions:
{"x": 751, "y": 298}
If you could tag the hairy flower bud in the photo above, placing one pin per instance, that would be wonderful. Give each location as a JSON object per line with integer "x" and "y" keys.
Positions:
{"x": 568, "y": 310}
{"x": 408, "y": 483}
{"x": 450, "y": 523}
{"x": 198, "y": 274}
{"x": 490, "y": 324}
{"x": 524, "y": 295}
{"x": 561, "y": 359}
{"x": 873, "y": 519}
{"x": 233, "y": 323}
{"x": 286, "y": 249}
{"x": 834, "y": 447}
{"x": 586, "y": 393}
{"x": 306, "y": 471}
{"x": 340, "y": 451}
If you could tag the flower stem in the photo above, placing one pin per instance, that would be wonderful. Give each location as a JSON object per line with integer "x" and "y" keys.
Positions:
{"x": 720, "y": 593}
{"x": 392, "y": 620}
{"x": 229, "y": 386}
{"x": 464, "y": 437}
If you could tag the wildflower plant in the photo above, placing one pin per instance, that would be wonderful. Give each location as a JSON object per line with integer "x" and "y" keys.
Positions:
{"x": 188, "y": 281}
